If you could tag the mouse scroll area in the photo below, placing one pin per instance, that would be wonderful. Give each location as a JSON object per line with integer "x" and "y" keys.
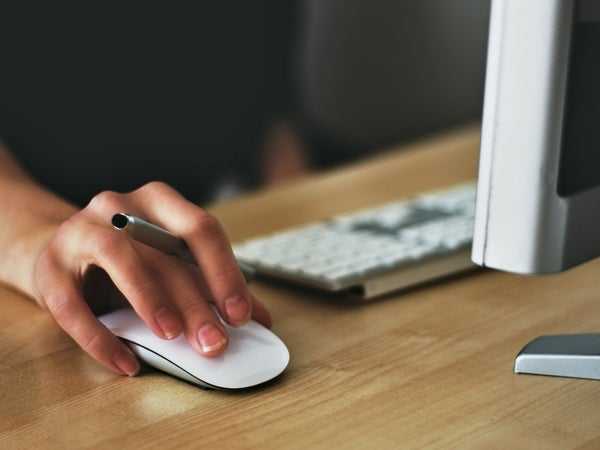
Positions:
{"x": 254, "y": 355}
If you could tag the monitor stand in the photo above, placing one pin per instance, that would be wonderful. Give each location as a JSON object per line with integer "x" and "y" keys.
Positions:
{"x": 569, "y": 355}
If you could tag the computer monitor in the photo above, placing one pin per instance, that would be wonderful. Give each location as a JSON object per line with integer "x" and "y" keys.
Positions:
{"x": 538, "y": 199}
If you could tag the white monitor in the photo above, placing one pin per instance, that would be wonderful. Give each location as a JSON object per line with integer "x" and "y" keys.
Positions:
{"x": 538, "y": 202}
{"x": 538, "y": 199}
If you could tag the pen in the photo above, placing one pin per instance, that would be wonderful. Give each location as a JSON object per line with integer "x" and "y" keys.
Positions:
{"x": 160, "y": 239}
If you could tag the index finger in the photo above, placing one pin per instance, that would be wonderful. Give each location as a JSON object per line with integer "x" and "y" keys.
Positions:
{"x": 208, "y": 242}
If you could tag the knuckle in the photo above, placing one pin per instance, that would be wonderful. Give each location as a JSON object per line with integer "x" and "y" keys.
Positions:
{"x": 62, "y": 242}
{"x": 227, "y": 275}
{"x": 195, "y": 311}
{"x": 93, "y": 344}
{"x": 203, "y": 223}
{"x": 106, "y": 201}
{"x": 64, "y": 232}
{"x": 61, "y": 308}
{"x": 155, "y": 187}
{"x": 68, "y": 226}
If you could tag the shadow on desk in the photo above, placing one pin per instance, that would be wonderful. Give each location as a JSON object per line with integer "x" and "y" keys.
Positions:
{"x": 352, "y": 298}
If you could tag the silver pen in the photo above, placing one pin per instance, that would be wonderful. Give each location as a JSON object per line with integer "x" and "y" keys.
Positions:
{"x": 160, "y": 239}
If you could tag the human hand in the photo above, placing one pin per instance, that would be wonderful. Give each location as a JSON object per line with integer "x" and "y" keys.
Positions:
{"x": 171, "y": 296}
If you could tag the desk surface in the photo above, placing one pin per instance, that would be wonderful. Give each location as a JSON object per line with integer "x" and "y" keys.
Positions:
{"x": 430, "y": 368}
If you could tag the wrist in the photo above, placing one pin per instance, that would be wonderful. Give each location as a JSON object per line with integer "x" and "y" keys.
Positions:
{"x": 18, "y": 268}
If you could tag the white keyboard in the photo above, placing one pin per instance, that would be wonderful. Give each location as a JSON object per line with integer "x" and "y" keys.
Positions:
{"x": 374, "y": 251}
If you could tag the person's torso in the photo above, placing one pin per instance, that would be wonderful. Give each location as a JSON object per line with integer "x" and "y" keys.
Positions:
{"x": 99, "y": 97}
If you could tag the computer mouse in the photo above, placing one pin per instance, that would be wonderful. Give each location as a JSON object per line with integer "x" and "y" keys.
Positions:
{"x": 254, "y": 355}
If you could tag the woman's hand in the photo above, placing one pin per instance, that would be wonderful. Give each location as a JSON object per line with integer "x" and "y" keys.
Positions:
{"x": 171, "y": 296}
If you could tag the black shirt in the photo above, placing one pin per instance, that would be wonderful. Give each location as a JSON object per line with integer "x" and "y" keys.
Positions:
{"x": 97, "y": 97}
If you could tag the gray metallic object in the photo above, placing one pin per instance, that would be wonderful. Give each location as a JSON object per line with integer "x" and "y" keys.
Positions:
{"x": 160, "y": 239}
{"x": 538, "y": 199}
{"x": 572, "y": 356}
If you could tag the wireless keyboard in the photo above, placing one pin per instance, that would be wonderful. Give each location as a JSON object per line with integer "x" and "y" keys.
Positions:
{"x": 374, "y": 251}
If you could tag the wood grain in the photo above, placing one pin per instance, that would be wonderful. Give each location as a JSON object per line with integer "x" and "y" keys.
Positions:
{"x": 431, "y": 368}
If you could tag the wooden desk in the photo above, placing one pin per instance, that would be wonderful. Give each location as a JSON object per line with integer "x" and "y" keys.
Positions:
{"x": 431, "y": 368}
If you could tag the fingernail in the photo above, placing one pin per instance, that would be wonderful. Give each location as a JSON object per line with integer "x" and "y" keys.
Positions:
{"x": 168, "y": 322}
{"x": 238, "y": 309}
{"x": 210, "y": 338}
{"x": 126, "y": 361}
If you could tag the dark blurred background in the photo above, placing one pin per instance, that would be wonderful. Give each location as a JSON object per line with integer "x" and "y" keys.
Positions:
{"x": 222, "y": 96}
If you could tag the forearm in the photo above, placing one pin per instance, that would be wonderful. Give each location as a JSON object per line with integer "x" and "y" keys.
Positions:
{"x": 29, "y": 215}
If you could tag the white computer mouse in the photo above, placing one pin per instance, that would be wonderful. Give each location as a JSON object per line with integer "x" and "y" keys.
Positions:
{"x": 254, "y": 354}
